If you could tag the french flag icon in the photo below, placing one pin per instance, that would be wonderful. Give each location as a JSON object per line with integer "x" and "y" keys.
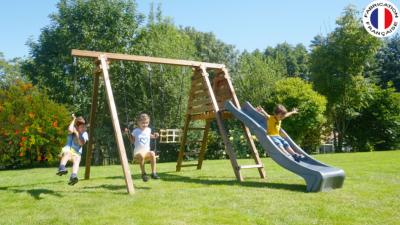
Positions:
{"x": 381, "y": 18}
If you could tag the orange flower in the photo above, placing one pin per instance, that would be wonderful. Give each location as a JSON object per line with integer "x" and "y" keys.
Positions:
{"x": 21, "y": 154}
{"x": 16, "y": 131}
{"x": 23, "y": 139}
{"x": 55, "y": 123}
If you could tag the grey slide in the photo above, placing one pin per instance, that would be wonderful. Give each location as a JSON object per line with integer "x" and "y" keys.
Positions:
{"x": 318, "y": 176}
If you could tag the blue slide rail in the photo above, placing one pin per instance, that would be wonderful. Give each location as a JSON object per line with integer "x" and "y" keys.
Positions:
{"x": 317, "y": 175}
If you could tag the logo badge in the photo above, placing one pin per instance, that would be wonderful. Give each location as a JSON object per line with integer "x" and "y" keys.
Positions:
{"x": 381, "y": 18}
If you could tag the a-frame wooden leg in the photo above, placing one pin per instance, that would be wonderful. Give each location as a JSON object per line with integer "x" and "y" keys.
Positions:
{"x": 203, "y": 144}
{"x": 183, "y": 143}
{"x": 93, "y": 109}
{"x": 247, "y": 132}
{"x": 254, "y": 151}
{"x": 228, "y": 147}
{"x": 117, "y": 128}
{"x": 221, "y": 126}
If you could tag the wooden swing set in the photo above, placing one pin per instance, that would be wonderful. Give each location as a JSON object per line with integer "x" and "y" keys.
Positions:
{"x": 206, "y": 103}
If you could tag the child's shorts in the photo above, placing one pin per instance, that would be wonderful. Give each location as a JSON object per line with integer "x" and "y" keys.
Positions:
{"x": 280, "y": 142}
{"x": 67, "y": 148}
{"x": 136, "y": 153}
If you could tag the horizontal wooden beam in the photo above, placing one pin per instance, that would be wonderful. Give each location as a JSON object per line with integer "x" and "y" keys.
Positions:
{"x": 145, "y": 59}
{"x": 208, "y": 116}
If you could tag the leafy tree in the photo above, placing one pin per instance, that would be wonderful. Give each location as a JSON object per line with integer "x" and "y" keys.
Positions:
{"x": 336, "y": 63}
{"x": 377, "y": 127}
{"x": 388, "y": 63}
{"x": 9, "y": 71}
{"x": 294, "y": 58}
{"x": 98, "y": 25}
{"x": 211, "y": 49}
{"x": 256, "y": 76}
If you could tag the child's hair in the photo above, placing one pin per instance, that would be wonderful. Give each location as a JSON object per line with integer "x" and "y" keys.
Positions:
{"x": 143, "y": 117}
{"x": 79, "y": 121}
{"x": 280, "y": 109}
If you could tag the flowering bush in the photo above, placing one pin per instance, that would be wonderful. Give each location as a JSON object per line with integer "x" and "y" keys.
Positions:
{"x": 33, "y": 128}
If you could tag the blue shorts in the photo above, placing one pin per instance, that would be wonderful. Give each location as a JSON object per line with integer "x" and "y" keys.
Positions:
{"x": 280, "y": 142}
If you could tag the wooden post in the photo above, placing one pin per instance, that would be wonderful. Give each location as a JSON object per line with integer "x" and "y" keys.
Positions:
{"x": 117, "y": 128}
{"x": 93, "y": 109}
{"x": 203, "y": 144}
{"x": 246, "y": 130}
{"x": 183, "y": 143}
{"x": 221, "y": 126}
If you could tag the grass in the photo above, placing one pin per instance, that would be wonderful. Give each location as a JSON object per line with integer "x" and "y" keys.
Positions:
{"x": 371, "y": 195}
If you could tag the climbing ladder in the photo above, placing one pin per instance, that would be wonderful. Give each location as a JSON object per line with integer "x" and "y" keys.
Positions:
{"x": 206, "y": 102}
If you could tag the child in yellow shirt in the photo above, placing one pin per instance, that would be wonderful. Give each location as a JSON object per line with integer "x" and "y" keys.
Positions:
{"x": 274, "y": 126}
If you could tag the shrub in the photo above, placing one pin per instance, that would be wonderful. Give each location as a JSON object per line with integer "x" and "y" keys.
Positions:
{"x": 33, "y": 128}
{"x": 307, "y": 126}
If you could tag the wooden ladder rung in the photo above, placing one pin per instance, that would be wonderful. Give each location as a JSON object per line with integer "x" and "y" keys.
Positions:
{"x": 187, "y": 165}
{"x": 196, "y": 128}
{"x": 251, "y": 166}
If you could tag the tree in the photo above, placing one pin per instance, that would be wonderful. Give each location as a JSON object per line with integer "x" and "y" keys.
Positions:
{"x": 377, "y": 127}
{"x": 294, "y": 58}
{"x": 336, "y": 63}
{"x": 256, "y": 76}
{"x": 9, "y": 71}
{"x": 211, "y": 49}
{"x": 98, "y": 25}
{"x": 388, "y": 63}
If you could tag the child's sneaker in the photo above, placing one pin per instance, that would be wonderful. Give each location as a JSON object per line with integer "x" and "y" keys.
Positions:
{"x": 296, "y": 157}
{"x": 145, "y": 178}
{"x": 73, "y": 179}
{"x": 155, "y": 176}
{"x": 62, "y": 170}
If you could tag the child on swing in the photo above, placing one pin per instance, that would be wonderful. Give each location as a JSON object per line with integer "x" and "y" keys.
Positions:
{"x": 77, "y": 137}
{"x": 140, "y": 137}
{"x": 274, "y": 127}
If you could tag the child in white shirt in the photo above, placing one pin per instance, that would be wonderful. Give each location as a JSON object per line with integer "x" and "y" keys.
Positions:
{"x": 141, "y": 138}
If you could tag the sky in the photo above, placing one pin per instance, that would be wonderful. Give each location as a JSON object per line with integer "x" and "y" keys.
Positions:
{"x": 246, "y": 24}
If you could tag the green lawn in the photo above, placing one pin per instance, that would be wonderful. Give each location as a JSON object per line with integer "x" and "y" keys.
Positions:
{"x": 371, "y": 195}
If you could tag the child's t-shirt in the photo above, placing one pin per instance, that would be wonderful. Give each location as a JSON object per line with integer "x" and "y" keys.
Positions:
{"x": 274, "y": 126}
{"x": 142, "y": 139}
{"x": 73, "y": 142}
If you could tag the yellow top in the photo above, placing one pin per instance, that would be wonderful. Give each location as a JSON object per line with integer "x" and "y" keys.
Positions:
{"x": 274, "y": 126}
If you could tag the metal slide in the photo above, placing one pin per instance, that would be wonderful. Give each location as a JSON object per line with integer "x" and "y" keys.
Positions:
{"x": 318, "y": 176}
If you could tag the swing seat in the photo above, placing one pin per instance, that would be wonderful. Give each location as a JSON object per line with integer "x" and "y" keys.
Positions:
{"x": 169, "y": 136}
